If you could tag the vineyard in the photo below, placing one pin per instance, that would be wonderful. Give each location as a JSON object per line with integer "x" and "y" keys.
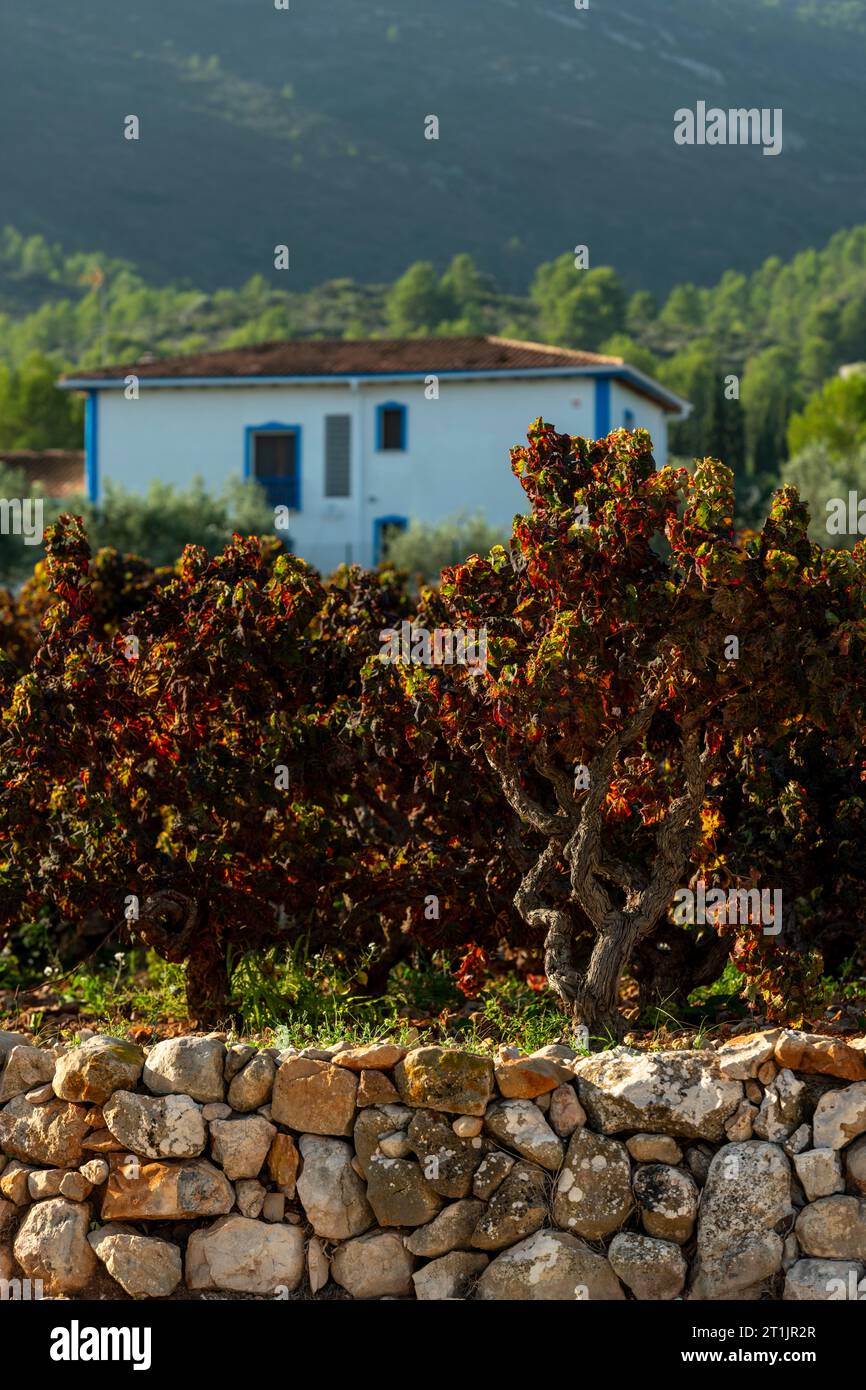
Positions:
{"x": 209, "y": 766}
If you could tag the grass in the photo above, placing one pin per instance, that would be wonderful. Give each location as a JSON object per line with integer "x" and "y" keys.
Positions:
{"x": 287, "y": 997}
{"x": 293, "y": 997}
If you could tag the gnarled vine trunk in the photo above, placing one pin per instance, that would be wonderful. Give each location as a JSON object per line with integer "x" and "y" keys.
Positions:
{"x": 178, "y": 929}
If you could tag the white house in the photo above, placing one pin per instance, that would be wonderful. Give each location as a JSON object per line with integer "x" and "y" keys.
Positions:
{"x": 358, "y": 437}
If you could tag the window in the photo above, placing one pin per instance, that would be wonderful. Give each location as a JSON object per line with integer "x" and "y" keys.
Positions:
{"x": 338, "y": 439}
{"x": 274, "y": 460}
{"x": 628, "y": 419}
{"x": 391, "y": 426}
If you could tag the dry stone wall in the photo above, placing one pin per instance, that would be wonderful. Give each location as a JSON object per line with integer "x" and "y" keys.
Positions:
{"x": 376, "y": 1172}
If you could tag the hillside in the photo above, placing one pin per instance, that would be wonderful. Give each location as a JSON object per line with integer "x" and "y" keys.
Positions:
{"x": 306, "y": 127}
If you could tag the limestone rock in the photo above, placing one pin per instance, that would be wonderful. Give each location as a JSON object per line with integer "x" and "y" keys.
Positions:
{"x": 375, "y": 1088}
{"x": 548, "y": 1266}
{"x": 10, "y": 1040}
{"x": 807, "y": 1052}
{"x": 95, "y": 1171}
{"x": 448, "y": 1161}
{"x": 9, "y": 1215}
{"x": 241, "y": 1146}
{"x": 528, "y": 1077}
{"x": 450, "y": 1230}
{"x": 840, "y": 1116}
{"x": 449, "y": 1277}
{"x": 58, "y": 1182}
{"x": 318, "y": 1265}
{"x": 188, "y": 1067}
{"x": 566, "y": 1114}
{"x": 25, "y": 1068}
{"x": 520, "y": 1125}
{"x": 314, "y": 1097}
{"x": 833, "y": 1228}
{"x": 593, "y": 1194}
{"x": 668, "y": 1199}
{"x": 51, "y": 1245}
{"x": 331, "y": 1193}
{"x": 283, "y": 1160}
{"x": 144, "y": 1266}
{"x": 371, "y": 1124}
{"x": 373, "y": 1057}
{"x": 492, "y": 1171}
{"x": 217, "y": 1110}
{"x": 674, "y": 1093}
{"x": 49, "y": 1134}
{"x": 781, "y": 1110}
{"x": 437, "y": 1078}
{"x": 376, "y": 1265}
{"x": 653, "y": 1269}
{"x": 250, "y": 1197}
{"x": 741, "y": 1058}
{"x": 165, "y": 1191}
{"x": 467, "y": 1126}
{"x": 798, "y": 1141}
{"x": 156, "y": 1126}
{"x": 40, "y": 1095}
{"x": 654, "y": 1148}
{"x": 516, "y": 1209}
{"x": 855, "y": 1165}
{"x": 820, "y": 1172}
{"x": 14, "y": 1182}
{"x": 75, "y": 1186}
{"x": 274, "y": 1206}
{"x": 236, "y": 1059}
{"x": 740, "y": 1271}
{"x": 396, "y": 1144}
{"x": 45, "y": 1182}
{"x": 96, "y": 1069}
{"x": 820, "y": 1281}
{"x": 252, "y": 1086}
{"x": 748, "y": 1190}
{"x": 101, "y": 1141}
{"x": 741, "y": 1125}
{"x": 243, "y": 1256}
{"x": 399, "y": 1193}
{"x": 698, "y": 1160}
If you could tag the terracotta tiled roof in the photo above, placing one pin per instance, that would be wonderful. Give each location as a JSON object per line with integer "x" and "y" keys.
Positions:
{"x": 59, "y": 471}
{"x": 339, "y": 357}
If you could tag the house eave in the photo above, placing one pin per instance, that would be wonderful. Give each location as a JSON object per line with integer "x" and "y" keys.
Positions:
{"x": 641, "y": 383}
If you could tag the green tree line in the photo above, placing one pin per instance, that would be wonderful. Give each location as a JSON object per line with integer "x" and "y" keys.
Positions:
{"x": 754, "y": 353}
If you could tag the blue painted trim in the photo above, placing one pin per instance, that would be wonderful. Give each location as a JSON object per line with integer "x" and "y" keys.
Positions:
{"x": 91, "y": 445}
{"x": 378, "y": 525}
{"x": 380, "y": 425}
{"x": 631, "y": 375}
{"x": 274, "y": 427}
{"x": 628, "y": 419}
{"x": 602, "y": 406}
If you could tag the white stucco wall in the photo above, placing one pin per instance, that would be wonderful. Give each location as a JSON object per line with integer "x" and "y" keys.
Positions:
{"x": 457, "y": 456}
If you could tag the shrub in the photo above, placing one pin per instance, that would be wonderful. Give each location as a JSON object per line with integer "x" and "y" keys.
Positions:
{"x": 188, "y": 747}
{"x": 612, "y": 713}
